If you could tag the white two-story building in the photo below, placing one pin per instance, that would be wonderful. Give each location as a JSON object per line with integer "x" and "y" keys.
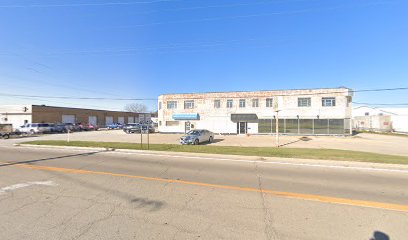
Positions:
{"x": 305, "y": 112}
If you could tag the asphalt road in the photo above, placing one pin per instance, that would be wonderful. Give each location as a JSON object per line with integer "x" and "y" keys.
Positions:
{"x": 78, "y": 194}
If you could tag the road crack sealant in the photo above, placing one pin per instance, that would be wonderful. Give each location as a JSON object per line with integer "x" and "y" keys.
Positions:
{"x": 268, "y": 218}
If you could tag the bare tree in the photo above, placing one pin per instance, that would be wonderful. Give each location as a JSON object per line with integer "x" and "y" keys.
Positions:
{"x": 136, "y": 107}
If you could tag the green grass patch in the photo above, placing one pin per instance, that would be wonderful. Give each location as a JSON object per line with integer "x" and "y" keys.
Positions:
{"x": 305, "y": 153}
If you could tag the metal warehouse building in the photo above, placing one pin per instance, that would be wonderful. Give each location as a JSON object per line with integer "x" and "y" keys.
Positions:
{"x": 306, "y": 111}
{"x": 21, "y": 114}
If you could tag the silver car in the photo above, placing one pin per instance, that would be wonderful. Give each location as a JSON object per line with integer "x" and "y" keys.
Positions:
{"x": 32, "y": 128}
{"x": 197, "y": 136}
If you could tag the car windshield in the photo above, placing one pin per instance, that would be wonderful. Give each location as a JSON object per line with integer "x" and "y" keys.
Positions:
{"x": 193, "y": 132}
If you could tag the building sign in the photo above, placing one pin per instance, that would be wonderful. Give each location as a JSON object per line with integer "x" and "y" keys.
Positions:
{"x": 186, "y": 116}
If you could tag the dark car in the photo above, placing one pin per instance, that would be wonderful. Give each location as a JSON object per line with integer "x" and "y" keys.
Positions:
{"x": 58, "y": 128}
{"x": 132, "y": 128}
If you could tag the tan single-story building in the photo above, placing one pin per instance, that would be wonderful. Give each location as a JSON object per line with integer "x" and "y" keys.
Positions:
{"x": 22, "y": 114}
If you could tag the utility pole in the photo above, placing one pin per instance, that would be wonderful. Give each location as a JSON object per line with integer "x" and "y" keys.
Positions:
{"x": 276, "y": 109}
{"x": 277, "y": 128}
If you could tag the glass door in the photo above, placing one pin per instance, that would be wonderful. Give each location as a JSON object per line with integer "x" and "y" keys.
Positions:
{"x": 242, "y": 128}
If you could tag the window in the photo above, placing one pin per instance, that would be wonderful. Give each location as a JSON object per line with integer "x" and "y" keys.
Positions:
{"x": 367, "y": 114}
{"x": 304, "y": 102}
{"x": 269, "y": 102}
{"x": 217, "y": 103}
{"x": 255, "y": 103}
{"x": 160, "y": 123}
{"x": 229, "y": 103}
{"x": 172, "y": 123}
{"x": 241, "y": 103}
{"x": 328, "y": 102}
{"x": 189, "y": 104}
{"x": 160, "y": 105}
{"x": 171, "y": 105}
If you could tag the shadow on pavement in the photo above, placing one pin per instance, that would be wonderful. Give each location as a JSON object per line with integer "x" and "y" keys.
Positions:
{"x": 377, "y": 235}
{"x": 151, "y": 205}
{"x": 304, "y": 139}
{"x": 214, "y": 141}
{"x": 52, "y": 158}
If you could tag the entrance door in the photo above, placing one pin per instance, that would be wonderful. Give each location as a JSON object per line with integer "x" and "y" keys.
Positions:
{"x": 242, "y": 127}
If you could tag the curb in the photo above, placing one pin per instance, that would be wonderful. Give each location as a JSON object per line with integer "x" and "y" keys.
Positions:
{"x": 204, "y": 156}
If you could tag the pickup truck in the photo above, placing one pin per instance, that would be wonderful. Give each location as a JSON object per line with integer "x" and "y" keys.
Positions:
{"x": 6, "y": 130}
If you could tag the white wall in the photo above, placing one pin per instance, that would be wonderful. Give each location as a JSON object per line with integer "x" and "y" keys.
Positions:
{"x": 15, "y": 114}
{"x": 400, "y": 123}
{"x": 218, "y": 119}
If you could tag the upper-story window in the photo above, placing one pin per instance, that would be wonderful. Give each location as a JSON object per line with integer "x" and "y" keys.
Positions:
{"x": 304, "y": 102}
{"x": 328, "y": 102}
{"x": 160, "y": 105}
{"x": 230, "y": 103}
{"x": 189, "y": 104}
{"x": 171, "y": 104}
{"x": 217, "y": 103}
{"x": 255, "y": 103}
{"x": 241, "y": 103}
{"x": 269, "y": 102}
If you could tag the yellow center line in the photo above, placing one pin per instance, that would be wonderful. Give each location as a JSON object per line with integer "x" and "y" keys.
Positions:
{"x": 308, "y": 197}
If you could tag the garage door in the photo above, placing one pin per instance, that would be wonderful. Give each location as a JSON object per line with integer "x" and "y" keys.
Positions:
{"x": 121, "y": 120}
{"x": 93, "y": 120}
{"x": 68, "y": 118}
{"x": 109, "y": 120}
{"x": 131, "y": 119}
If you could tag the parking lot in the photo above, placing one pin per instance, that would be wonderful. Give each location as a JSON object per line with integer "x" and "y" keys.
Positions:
{"x": 383, "y": 144}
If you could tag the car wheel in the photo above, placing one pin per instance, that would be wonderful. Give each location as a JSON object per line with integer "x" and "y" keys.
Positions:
{"x": 210, "y": 140}
{"x": 32, "y": 131}
{"x": 196, "y": 142}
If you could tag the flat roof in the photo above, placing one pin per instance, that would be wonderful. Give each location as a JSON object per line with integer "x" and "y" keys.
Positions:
{"x": 275, "y": 90}
{"x": 88, "y": 109}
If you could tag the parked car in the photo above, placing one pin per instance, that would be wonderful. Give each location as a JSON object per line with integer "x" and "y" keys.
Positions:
{"x": 32, "y": 128}
{"x": 72, "y": 127}
{"x": 59, "y": 128}
{"x": 114, "y": 126}
{"x": 89, "y": 127}
{"x": 197, "y": 136}
{"x": 6, "y": 130}
{"x": 147, "y": 127}
{"x": 132, "y": 128}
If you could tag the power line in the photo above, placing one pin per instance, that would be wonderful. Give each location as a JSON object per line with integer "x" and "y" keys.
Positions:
{"x": 382, "y": 104}
{"x": 307, "y": 10}
{"x": 88, "y": 4}
{"x": 155, "y": 99}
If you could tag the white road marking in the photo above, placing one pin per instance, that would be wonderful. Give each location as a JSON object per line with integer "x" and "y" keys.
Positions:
{"x": 23, "y": 185}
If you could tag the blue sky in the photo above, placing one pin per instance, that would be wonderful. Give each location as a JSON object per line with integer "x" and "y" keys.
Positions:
{"x": 143, "y": 48}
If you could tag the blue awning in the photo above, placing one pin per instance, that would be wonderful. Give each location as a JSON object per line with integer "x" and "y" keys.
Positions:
{"x": 186, "y": 116}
